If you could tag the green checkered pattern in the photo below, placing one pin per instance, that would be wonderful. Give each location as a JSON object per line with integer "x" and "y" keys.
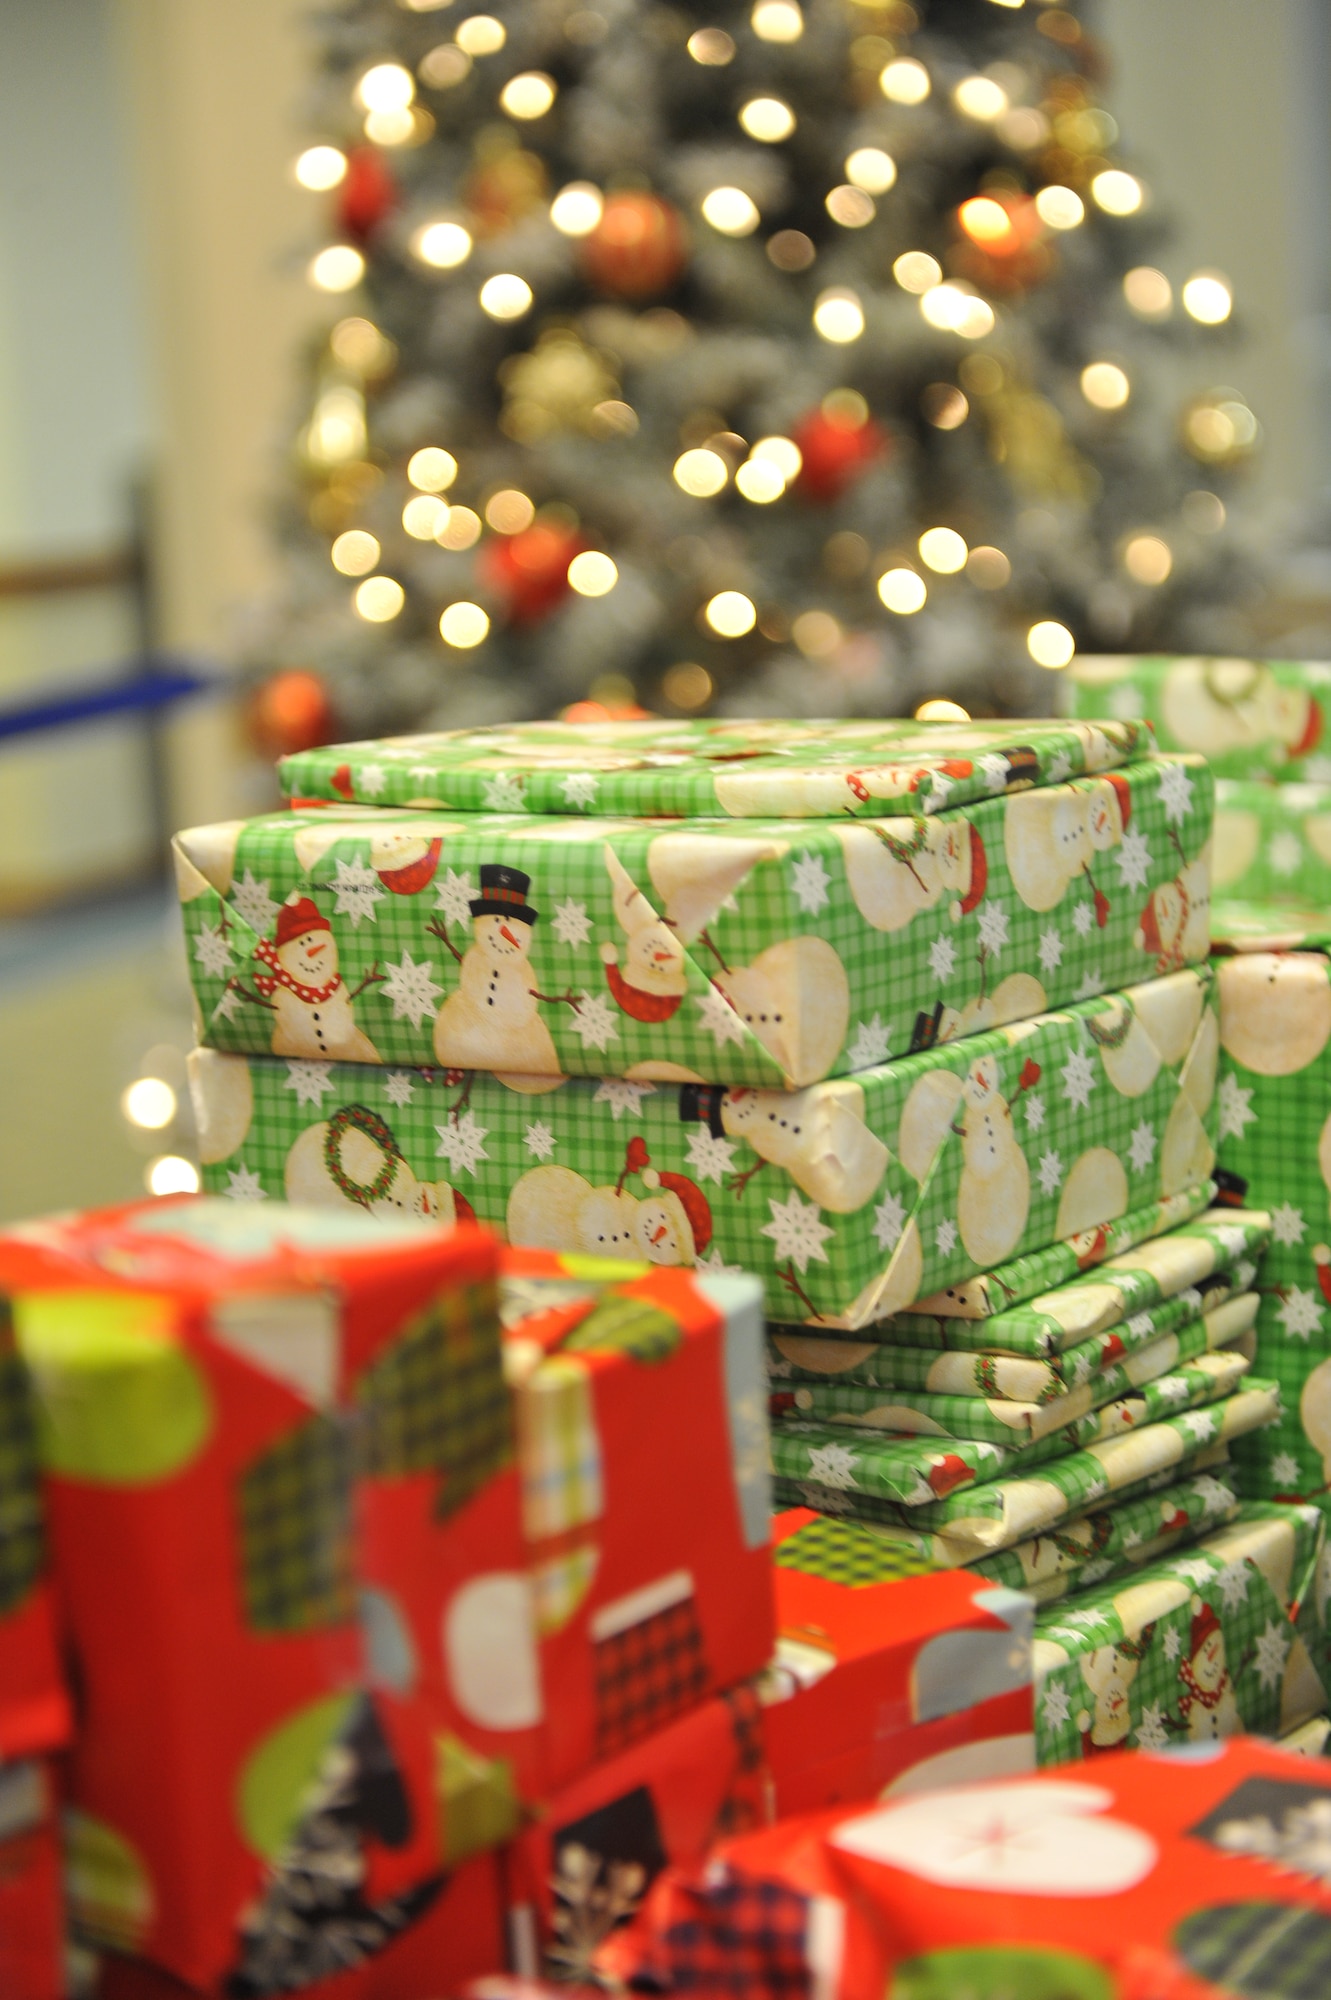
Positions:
{"x": 991, "y": 1509}
{"x": 789, "y": 882}
{"x": 826, "y": 1229}
{"x": 1151, "y": 1629}
{"x": 1112, "y": 1541}
{"x": 847, "y": 1552}
{"x": 620, "y": 1325}
{"x": 1158, "y": 1380}
{"x": 295, "y": 1507}
{"x": 1278, "y": 1951}
{"x": 559, "y": 1449}
{"x": 687, "y": 769}
{"x": 435, "y": 1401}
{"x": 22, "y": 1545}
{"x": 1273, "y": 843}
{"x": 1249, "y": 718}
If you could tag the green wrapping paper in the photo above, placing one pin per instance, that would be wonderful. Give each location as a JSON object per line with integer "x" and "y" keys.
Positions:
{"x": 1202, "y": 1646}
{"x": 1248, "y": 718}
{"x": 764, "y": 952}
{"x": 1273, "y": 842}
{"x": 973, "y": 1498}
{"x": 850, "y": 1199}
{"x": 1004, "y": 1421}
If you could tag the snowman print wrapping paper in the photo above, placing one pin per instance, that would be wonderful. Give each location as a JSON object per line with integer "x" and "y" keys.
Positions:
{"x": 768, "y": 953}
{"x": 852, "y": 1198}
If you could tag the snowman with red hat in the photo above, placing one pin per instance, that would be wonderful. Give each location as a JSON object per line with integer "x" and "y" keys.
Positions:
{"x": 301, "y": 986}
{"x": 1175, "y": 926}
{"x": 1207, "y": 1704}
{"x": 491, "y": 1021}
{"x": 897, "y": 868}
{"x": 1052, "y": 835}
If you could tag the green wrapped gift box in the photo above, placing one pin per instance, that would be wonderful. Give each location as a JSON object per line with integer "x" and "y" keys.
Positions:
{"x": 1273, "y": 841}
{"x": 1248, "y": 718}
{"x": 850, "y": 1199}
{"x": 771, "y": 952}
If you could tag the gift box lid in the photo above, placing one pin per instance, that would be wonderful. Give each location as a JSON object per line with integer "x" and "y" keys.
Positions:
{"x": 715, "y": 767}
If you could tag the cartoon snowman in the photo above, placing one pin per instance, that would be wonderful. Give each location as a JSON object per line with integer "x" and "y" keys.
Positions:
{"x": 1207, "y": 1704}
{"x": 994, "y": 1193}
{"x": 1223, "y": 705}
{"x": 1275, "y": 1010}
{"x": 1315, "y": 1400}
{"x": 817, "y": 1137}
{"x": 554, "y": 1208}
{"x": 1175, "y": 926}
{"x": 651, "y": 982}
{"x": 897, "y": 868}
{"x": 491, "y": 1022}
{"x": 355, "y": 1157}
{"x": 1109, "y": 1672}
{"x": 795, "y": 998}
{"x": 303, "y": 989}
{"x": 1052, "y": 836}
{"x": 405, "y": 860}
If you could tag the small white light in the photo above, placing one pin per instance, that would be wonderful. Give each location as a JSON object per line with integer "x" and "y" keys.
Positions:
{"x": 1050, "y": 644}
{"x": 979, "y": 97}
{"x": 355, "y": 553}
{"x": 917, "y": 271}
{"x": 730, "y": 614}
{"x": 337, "y": 269}
{"x": 320, "y": 168}
{"x": 592, "y": 574}
{"x": 506, "y": 296}
{"x": 1105, "y": 385}
{"x": 528, "y": 95}
{"x": 149, "y": 1103}
{"x": 170, "y": 1174}
{"x": 379, "y": 599}
{"x": 768, "y": 119}
{"x": 905, "y": 81}
{"x": 944, "y": 550}
{"x": 481, "y": 35}
{"x": 1148, "y": 559}
{"x": 423, "y": 516}
{"x": 870, "y": 168}
{"x": 390, "y": 128}
{"x": 577, "y": 208}
{"x": 939, "y": 710}
{"x": 442, "y": 245}
{"x": 1207, "y": 298}
{"x": 1148, "y": 292}
{"x": 460, "y": 530}
{"x": 1117, "y": 193}
{"x": 850, "y": 206}
{"x": 386, "y": 87}
{"x": 731, "y": 211}
{"x": 777, "y": 21}
{"x": 760, "y": 481}
{"x": 701, "y": 473}
{"x": 902, "y": 591}
{"x": 1060, "y": 207}
{"x": 463, "y": 624}
{"x": 783, "y": 453}
{"x": 954, "y": 309}
{"x": 711, "y": 47}
{"x": 838, "y": 315}
{"x": 431, "y": 469}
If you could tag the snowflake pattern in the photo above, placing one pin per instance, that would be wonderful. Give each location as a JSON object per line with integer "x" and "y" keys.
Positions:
{"x": 1175, "y": 792}
{"x": 1151, "y": 1733}
{"x": 570, "y": 922}
{"x": 399, "y": 1087}
{"x": 942, "y": 959}
{"x": 717, "y": 1265}
{"x": 871, "y": 1044}
{"x": 1083, "y": 919}
{"x": 995, "y": 770}
{"x": 1236, "y": 1112}
{"x": 309, "y": 1080}
{"x": 454, "y": 896}
{"x": 1287, "y": 1223}
{"x": 1051, "y": 950}
{"x": 412, "y": 989}
{"x": 1079, "y": 1079}
{"x": 212, "y": 950}
{"x": 579, "y": 789}
{"x": 945, "y": 1237}
{"x": 539, "y": 1140}
{"x": 1232, "y": 1240}
{"x": 798, "y": 1230}
{"x": 1215, "y": 1497}
{"x": 1141, "y": 1147}
{"x": 1172, "y": 1643}
{"x": 1083, "y": 1366}
{"x": 1134, "y": 860}
{"x": 357, "y": 889}
{"x": 242, "y": 1185}
{"x": 1301, "y": 1313}
{"x": 833, "y": 1465}
{"x": 1232, "y": 1584}
{"x": 1285, "y": 1471}
{"x": 889, "y": 1219}
{"x": 1051, "y": 1172}
{"x": 1272, "y": 1652}
{"x": 710, "y": 1159}
{"x": 251, "y": 901}
{"x": 1285, "y": 852}
{"x": 719, "y": 1017}
{"x": 503, "y": 794}
{"x": 462, "y": 1143}
{"x": 622, "y": 1096}
{"x": 1200, "y": 1424}
{"x": 1055, "y": 1708}
{"x": 1090, "y": 984}
{"x": 809, "y": 881}
{"x": 992, "y": 923}
{"x": 1034, "y": 1112}
{"x": 593, "y": 1021}
{"x": 225, "y": 1010}
{"x": 370, "y": 780}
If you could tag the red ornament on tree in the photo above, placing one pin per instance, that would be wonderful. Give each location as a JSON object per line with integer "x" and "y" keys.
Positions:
{"x": 368, "y": 193}
{"x": 291, "y": 712}
{"x": 638, "y": 248}
{"x": 530, "y": 571}
{"x": 837, "y": 445}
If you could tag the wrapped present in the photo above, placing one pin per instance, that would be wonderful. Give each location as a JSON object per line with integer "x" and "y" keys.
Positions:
{"x": 769, "y": 952}
{"x": 34, "y": 1706}
{"x": 851, "y": 1199}
{"x": 1168, "y": 1878}
{"x": 1273, "y": 843}
{"x": 1110, "y": 1541}
{"x": 580, "y": 1869}
{"x": 653, "y": 1587}
{"x": 884, "y": 1677}
{"x": 284, "y": 1512}
{"x": 1248, "y": 718}
{"x": 1275, "y": 1080}
{"x": 31, "y": 1913}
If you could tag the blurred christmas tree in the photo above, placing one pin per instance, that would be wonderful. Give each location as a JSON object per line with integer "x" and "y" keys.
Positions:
{"x": 766, "y": 358}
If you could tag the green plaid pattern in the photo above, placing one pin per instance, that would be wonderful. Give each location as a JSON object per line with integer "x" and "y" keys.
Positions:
{"x": 1280, "y": 1951}
{"x": 843, "y": 1473}
{"x": 1155, "y": 1645}
{"x": 1272, "y": 843}
{"x": 808, "y": 1192}
{"x": 1151, "y": 1383}
{"x": 22, "y": 1543}
{"x": 680, "y": 769}
{"x": 618, "y": 1325}
{"x": 559, "y": 1449}
{"x": 435, "y": 1401}
{"x": 295, "y": 1507}
{"x": 847, "y": 1552}
{"x": 1111, "y": 1542}
{"x": 1249, "y": 718}
{"x": 947, "y": 973}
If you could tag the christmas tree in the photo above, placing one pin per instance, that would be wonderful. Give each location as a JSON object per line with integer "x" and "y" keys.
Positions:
{"x": 779, "y": 358}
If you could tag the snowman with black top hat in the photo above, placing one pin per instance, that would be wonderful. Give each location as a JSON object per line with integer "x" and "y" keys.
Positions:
{"x": 492, "y": 1021}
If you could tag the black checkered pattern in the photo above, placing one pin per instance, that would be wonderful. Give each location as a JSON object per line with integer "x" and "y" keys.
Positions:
{"x": 21, "y": 1541}
{"x": 844, "y": 1553}
{"x": 295, "y": 1527}
{"x": 1260, "y": 1951}
{"x": 648, "y": 1674}
{"x": 746, "y": 1938}
{"x": 436, "y": 1400}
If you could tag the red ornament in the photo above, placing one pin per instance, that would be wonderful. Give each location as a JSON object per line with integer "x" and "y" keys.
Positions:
{"x": 291, "y": 712}
{"x": 638, "y": 248}
{"x": 367, "y": 194}
{"x": 836, "y": 450}
{"x": 530, "y": 571}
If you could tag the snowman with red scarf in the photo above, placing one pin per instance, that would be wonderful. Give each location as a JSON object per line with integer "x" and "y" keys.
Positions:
{"x": 1207, "y": 1704}
{"x": 302, "y": 987}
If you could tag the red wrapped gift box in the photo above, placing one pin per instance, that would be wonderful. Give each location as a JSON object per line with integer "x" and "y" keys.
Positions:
{"x": 886, "y": 1677}
{"x": 642, "y": 1438}
{"x": 268, "y": 1437}
{"x": 31, "y": 1918}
